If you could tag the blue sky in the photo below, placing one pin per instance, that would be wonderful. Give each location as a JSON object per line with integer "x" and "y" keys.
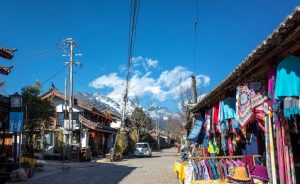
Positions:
{"x": 227, "y": 32}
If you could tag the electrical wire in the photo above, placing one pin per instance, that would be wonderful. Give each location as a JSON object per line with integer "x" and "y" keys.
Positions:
{"x": 195, "y": 35}
{"x": 134, "y": 13}
{"x": 54, "y": 75}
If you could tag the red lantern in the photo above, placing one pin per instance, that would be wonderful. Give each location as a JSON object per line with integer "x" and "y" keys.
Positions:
{"x": 93, "y": 134}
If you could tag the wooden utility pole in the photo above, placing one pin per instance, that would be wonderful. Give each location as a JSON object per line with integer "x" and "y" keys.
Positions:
{"x": 194, "y": 90}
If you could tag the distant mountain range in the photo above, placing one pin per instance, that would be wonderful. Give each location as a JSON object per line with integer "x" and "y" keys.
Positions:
{"x": 158, "y": 114}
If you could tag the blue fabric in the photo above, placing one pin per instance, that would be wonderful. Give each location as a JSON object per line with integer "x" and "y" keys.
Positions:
{"x": 228, "y": 109}
{"x": 288, "y": 77}
{"x": 194, "y": 134}
{"x": 251, "y": 147}
{"x": 196, "y": 171}
{"x": 213, "y": 168}
{"x": 205, "y": 141}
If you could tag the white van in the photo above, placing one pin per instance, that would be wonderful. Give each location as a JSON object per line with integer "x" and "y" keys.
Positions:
{"x": 142, "y": 149}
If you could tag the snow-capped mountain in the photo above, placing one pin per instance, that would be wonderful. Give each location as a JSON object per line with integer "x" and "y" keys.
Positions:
{"x": 157, "y": 113}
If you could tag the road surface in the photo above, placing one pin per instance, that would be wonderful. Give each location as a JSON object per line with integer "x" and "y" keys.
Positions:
{"x": 155, "y": 170}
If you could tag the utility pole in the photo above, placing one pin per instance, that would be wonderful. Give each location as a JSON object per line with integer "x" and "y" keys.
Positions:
{"x": 66, "y": 44}
{"x": 194, "y": 90}
{"x": 71, "y": 43}
{"x": 158, "y": 136}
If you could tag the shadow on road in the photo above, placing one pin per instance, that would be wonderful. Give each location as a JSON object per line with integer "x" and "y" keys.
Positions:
{"x": 141, "y": 157}
{"x": 108, "y": 173}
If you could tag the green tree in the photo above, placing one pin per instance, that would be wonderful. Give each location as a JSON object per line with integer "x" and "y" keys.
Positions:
{"x": 140, "y": 122}
{"x": 39, "y": 113}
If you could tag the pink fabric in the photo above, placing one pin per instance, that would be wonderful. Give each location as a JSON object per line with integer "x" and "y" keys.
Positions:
{"x": 286, "y": 155}
{"x": 280, "y": 155}
{"x": 290, "y": 151}
{"x": 271, "y": 86}
{"x": 249, "y": 160}
{"x": 230, "y": 148}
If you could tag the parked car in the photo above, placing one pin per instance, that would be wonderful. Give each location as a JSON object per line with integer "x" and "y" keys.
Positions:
{"x": 142, "y": 149}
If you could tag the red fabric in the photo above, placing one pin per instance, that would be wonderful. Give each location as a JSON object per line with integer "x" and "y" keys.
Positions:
{"x": 248, "y": 159}
{"x": 205, "y": 152}
{"x": 216, "y": 114}
{"x": 215, "y": 118}
{"x": 230, "y": 148}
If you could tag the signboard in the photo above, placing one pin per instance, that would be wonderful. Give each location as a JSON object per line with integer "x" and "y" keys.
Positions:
{"x": 60, "y": 119}
{"x": 16, "y": 121}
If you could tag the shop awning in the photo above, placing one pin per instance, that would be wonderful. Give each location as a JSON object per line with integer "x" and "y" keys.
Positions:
{"x": 193, "y": 136}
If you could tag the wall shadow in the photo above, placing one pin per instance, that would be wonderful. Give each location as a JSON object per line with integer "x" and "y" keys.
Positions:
{"x": 108, "y": 173}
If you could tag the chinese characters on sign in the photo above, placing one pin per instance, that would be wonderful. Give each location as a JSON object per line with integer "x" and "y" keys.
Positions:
{"x": 16, "y": 121}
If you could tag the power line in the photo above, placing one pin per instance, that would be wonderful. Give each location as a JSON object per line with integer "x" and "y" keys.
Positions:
{"x": 54, "y": 75}
{"x": 195, "y": 34}
{"x": 134, "y": 13}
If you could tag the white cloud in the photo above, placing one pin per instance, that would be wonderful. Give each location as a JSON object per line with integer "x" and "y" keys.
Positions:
{"x": 145, "y": 63}
{"x": 152, "y": 63}
{"x": 166, "y": 86}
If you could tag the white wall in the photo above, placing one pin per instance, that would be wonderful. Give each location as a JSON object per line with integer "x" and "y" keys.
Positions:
{"x": 84, "y": 138}
{"x": 59, "y": 103}
{"x": 116, "y": 124}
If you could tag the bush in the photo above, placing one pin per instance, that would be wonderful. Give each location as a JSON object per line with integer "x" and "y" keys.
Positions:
{"x": 132, "y": 141}
{"x": 121, "y": 142}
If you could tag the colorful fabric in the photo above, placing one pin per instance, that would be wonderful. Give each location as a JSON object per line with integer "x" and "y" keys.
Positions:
{"x": 249, "y": 160}
{"x": 288, "y": 177}
{"x": 208, "y": 120}
{"x": 272, "y": 154}
{"x": 212, "y": 148}
{"x": 244, "y": 108}
{"x": 271, "y": 88}
{"x": 267, "y": 142}
{"x": 290, "y": 151}
{"x": 249, "y": 102}
{"x": 291, "y": 106}
{"x": 288, "y": 77}
{"x": 215, "y": 117}
{"x": 260, "y": 111}
{"x": 258, "y": 94}
{"x": 280, "y": 155}
{"x": 193, "y": 136}
{"x": 227, "y": 109}
{"x": 251, "y": 147}
{"x": 230, "y": 148}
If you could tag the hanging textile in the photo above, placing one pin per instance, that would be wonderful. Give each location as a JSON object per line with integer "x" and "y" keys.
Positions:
{"x": 274, "y": 180}
{"x": 193, "y": 136}
{"x": 227, "y": 109}
{"x": 215, "y": 117}
{"x": 271, "y": 89}
{"x": 268, "y": 155}
{"x": 291, "y": 106}
{"x": 280, "y": 155}
{"x": 207, "y": 123}
{"x": 258, "y": 94}
{"x": 250, "y": 102}
{"x": 244, "y": 108}
{"x": 290, "y": 152}
{"x": 288, "y": 77}
{"x": 288, "y": 177}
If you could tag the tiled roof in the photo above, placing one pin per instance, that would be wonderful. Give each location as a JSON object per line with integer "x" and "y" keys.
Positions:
{"x": 283, "y": 41}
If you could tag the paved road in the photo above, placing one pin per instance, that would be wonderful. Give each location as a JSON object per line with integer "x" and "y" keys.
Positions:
{"x": 155, "y": 170}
